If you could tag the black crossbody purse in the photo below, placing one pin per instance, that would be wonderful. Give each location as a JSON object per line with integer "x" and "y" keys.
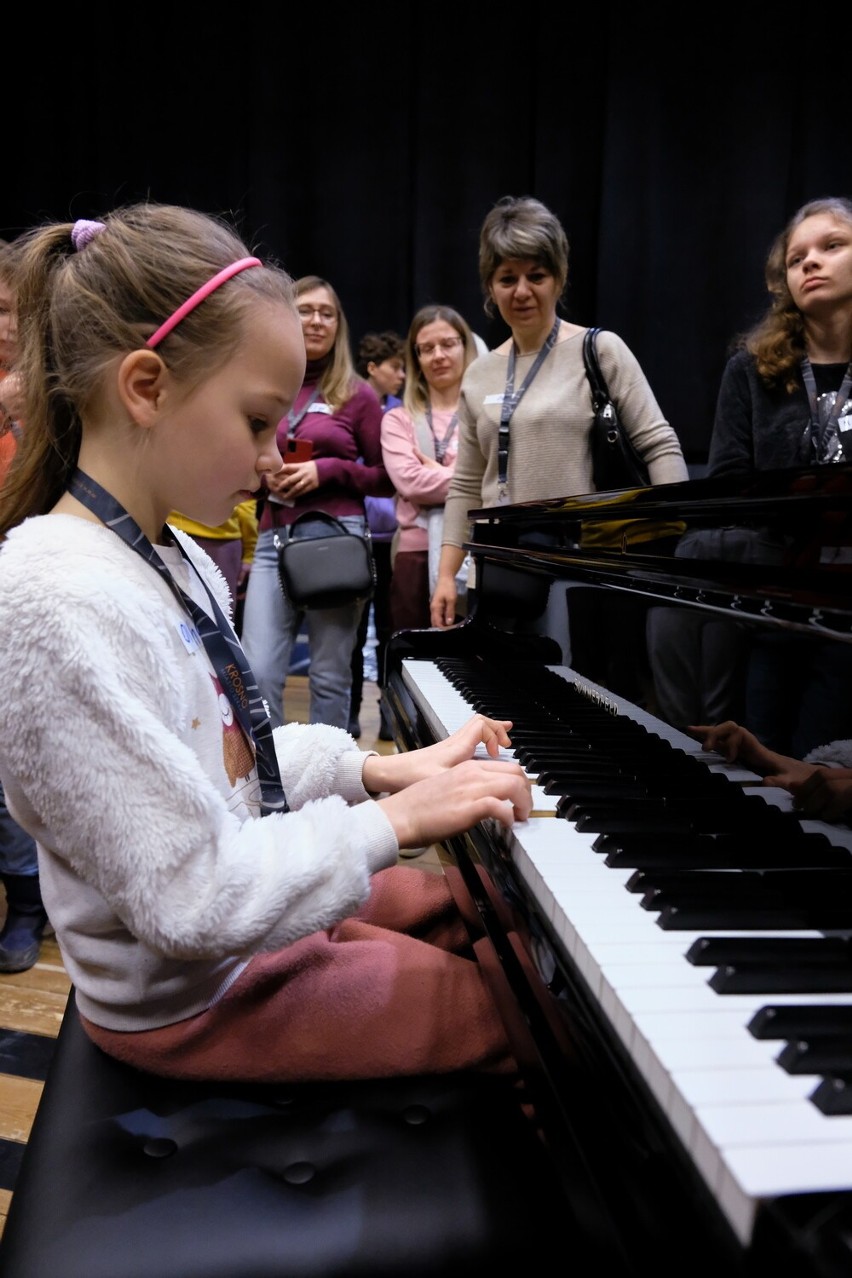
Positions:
{"x": 322, "y": 564}
{"x": 615, "y": 461}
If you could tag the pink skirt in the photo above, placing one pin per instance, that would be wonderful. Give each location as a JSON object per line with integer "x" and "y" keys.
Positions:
{"x": 394, "y": 990}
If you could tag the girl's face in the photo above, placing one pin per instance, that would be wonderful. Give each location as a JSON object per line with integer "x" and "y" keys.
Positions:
{"x": 819, "y": 264}
{"x": 320, "y": 320}
{"x": 441, "y": 352}
{"x": 219, "y": 441}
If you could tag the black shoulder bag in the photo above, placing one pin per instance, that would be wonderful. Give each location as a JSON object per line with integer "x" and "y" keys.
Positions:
{"x": 321, "y": 564}
{"x": 615, "y": 461}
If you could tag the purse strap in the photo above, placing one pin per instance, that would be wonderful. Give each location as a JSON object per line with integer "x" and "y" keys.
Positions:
{"x": 321, "y": 519}
{"x": 600, "y": 390}
{"x": 606, "y": 425}
{"x": 319, "y": 523}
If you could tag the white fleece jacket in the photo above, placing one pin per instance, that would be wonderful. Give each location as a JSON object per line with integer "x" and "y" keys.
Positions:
{"x": 837, "y": 754}
{"x": 119, "y": 756}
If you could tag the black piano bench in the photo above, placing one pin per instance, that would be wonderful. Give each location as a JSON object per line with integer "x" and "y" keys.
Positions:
{"x": 127, "y": 1175}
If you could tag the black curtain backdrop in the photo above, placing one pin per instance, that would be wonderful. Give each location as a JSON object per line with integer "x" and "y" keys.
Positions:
{"x": 367, "y": 146}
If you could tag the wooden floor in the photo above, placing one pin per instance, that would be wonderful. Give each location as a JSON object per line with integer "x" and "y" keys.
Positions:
{"x": 32, "y": 1003}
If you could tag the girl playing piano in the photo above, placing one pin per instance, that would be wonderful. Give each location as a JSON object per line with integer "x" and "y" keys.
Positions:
{"x": 226, "y": 897}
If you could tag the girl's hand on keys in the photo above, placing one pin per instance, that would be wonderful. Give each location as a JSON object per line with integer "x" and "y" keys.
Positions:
{"x": 480, "y": 735}
{"x": 457, "y": 798}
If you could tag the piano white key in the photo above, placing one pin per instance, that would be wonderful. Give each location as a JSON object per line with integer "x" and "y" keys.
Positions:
{"x": 749, "y": 1174}
{"x": 711, "y": 1087}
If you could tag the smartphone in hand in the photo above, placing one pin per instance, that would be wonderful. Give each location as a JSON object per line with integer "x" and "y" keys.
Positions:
{"x": 297, "y": 450}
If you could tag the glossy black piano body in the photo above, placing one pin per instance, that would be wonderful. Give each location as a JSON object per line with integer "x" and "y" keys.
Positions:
{"x": 633, "y": 1191}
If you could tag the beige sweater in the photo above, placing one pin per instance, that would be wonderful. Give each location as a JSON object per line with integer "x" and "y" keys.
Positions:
{"x": 549, "y": 453}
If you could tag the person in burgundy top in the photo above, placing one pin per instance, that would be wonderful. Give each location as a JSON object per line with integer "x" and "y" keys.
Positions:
{"x": 339, "y": 417}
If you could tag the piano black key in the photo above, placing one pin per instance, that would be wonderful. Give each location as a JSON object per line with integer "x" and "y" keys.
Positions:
{"x": 672, "y": 813}
{"x": 797, "y": 885}
{"x": 551, "y": 773}
{"x": 753, "y": 916}
{"x": 781, "y": 978}
{"x": 579, "y": 789}
{"x": 732, "y": 851}
{"x": 732, "y": 901}
{"x": 577, "y": 754}
{"x": 791, "y": 1020}
{"x": 820, "y": 1055}
{"x": 547, "y": 735}
{"x": 598, "y": 820}
{"x": 713, "y": 951}
{"x": 542, "y": 765}
{"x": 561, "y": 777}
{"x": 833, "y": 1096}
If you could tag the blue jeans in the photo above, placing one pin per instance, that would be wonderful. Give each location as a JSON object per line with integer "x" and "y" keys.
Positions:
{"x": 17, "y": 850}
{"x": 270, "y": 627}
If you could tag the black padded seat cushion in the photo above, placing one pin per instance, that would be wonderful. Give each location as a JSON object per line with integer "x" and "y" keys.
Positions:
{"x": 131, "y": 1176}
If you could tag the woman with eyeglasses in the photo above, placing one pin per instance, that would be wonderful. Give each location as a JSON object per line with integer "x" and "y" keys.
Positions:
{"x": 334, "y": 428}
{"x": 419, "y": 446}
{"x": 535, "y": 385}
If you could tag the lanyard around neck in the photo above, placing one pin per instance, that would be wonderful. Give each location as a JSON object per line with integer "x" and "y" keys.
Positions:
{"x": 293, "y": 417}
{"x": 512, "y": 397}
{"x": 441, "y": 445}
{"x": 825, "y": 435}
{"x": 217, "y": 636}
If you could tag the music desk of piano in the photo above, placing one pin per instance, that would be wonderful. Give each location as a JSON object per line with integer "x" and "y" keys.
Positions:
{"x": 663, "y": 930}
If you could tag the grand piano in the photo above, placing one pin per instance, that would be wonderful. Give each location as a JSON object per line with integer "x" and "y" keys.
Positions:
{"x": 668, "y": 941}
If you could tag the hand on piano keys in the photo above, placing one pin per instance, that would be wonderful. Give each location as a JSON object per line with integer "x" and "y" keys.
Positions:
{"x": 443, "y": 789}
{"x": 826, "y": 794}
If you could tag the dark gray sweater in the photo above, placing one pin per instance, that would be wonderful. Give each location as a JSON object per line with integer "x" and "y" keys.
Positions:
{"x": 762, "y": 428}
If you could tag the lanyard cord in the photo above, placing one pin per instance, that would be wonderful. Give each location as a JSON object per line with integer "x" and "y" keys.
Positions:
{"x": 824, "y": 435}
{"x": 216, "y": 634}
{"x": 441, "y": 445}
{"x": 293, "y": 418}
{"x": 511, "y": 399}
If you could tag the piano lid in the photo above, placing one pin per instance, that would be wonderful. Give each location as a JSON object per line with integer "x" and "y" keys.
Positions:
{"x": 775, "y": 547}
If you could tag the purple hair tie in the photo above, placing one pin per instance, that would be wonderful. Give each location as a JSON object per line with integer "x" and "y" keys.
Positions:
{"x": 84, "y": 231}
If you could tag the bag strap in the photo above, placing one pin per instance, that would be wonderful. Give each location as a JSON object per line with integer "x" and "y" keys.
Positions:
{"x": 317, "y": 517}
{"x": 600, "y": 391}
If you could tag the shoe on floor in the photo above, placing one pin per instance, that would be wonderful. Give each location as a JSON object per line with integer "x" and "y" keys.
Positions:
{"x": 354, "y": 728}
{"x": 20, "y": 939}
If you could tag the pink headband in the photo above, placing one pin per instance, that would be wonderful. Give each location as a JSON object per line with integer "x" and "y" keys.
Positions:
{"x": 198, "y": 296}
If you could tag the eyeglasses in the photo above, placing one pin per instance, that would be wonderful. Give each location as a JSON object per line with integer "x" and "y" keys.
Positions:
{"x": 448, "y": 344}
{"x": 325, "y": 313}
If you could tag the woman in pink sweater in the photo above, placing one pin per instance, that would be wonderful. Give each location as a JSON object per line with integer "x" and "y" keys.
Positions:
{"x": 419, "y": 447}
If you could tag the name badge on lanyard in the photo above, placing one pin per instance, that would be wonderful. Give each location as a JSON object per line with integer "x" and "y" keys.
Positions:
{"x": 189, "y": 637}
{"x": 510, "y": 400}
